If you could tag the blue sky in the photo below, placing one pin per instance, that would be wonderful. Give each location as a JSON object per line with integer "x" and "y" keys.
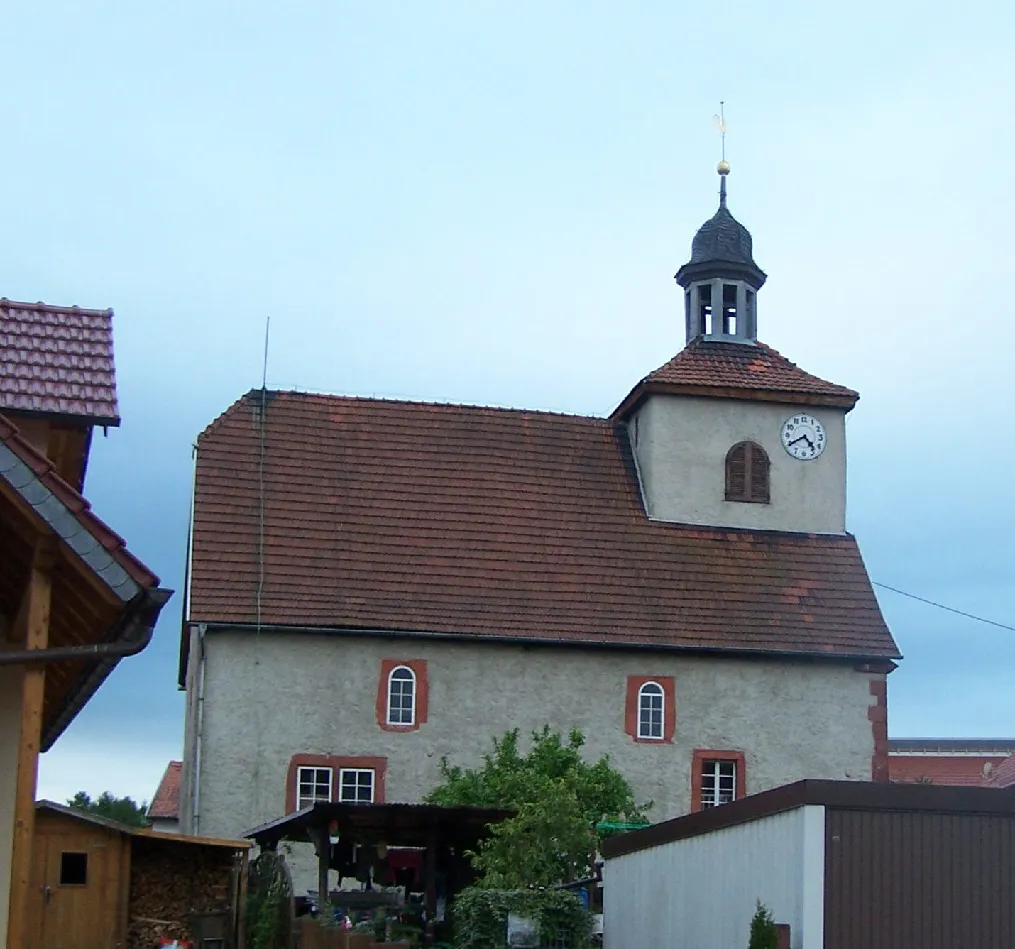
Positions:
{"x": 486, "y": 202}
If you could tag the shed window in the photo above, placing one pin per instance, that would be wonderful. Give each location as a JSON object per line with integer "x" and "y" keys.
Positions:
{"x": 312, "y": 784}
{"x": 356, "y": 786}
{"x": 402, "y": 696}
{"x": 650, "y": 711}
{"x": 718, "y": 782}
{"x": 73, "y": 869}
{"x": 747, "y": 469}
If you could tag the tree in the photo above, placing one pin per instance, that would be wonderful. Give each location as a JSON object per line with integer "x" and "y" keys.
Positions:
{"x": 122, "y": 809}
{"x": 559, "y": 798}
{"x": 764, "y": 934}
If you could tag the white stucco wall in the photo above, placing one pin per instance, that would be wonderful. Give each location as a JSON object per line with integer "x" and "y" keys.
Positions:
{"x": 10, "y": 733}
{"x": 681, "y": 444}
{"x": 701, "y": 892}
{"x": 270, "y": 696}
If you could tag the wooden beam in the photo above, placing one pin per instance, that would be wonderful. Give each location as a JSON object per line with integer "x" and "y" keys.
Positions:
{"x": 34, "y": 616}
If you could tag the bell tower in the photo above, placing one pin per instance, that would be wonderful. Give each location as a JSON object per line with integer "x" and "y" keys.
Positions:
{"x": 721, "y": 280}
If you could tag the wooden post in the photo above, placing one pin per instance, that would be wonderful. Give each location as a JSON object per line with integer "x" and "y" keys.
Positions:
{"x": 322, "y": 843}
{"x": 33, "y": 618}
{"x": 430, "y": 885}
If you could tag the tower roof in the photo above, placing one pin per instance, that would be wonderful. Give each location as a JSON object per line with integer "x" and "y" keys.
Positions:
{"x": 758, "y": 372}
{"x": 722, "y": 247}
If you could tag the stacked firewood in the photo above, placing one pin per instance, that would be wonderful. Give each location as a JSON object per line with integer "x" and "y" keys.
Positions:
{"x": 170, "y": 883}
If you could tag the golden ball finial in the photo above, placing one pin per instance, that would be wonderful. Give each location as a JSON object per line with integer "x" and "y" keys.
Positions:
{"x": 724, "y": 167}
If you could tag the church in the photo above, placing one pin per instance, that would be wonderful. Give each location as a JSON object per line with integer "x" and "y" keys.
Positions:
{"x": 374, "y": 585}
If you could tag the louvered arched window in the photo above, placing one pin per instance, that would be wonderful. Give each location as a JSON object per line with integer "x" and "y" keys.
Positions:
{"x": 747, "y": 473}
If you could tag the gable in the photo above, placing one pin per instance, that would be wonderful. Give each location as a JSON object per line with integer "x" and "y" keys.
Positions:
{"x": 493, "y": 524}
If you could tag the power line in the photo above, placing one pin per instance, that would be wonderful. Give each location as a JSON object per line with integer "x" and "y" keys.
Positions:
{"x": 941, "y": 606}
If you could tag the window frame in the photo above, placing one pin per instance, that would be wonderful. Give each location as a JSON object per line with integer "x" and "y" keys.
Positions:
{"x": 703, "y": 756}
{"x": 658, "y": 693}
{"x": 632, "y": 708}
{"x": 317, "y": 769}
{"x": 357, "y": 771}
{"x": 303, "y": 759}
{"x": 415, "y": 691}
{"x": 748, "y": 496}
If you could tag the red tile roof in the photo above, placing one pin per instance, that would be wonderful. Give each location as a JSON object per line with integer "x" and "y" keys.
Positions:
{"x": 737, "y": 371}
{"x": 76, "y": 505}
{"x": 166, "y": 803}
{"x": 57, "y": 361}
{"x": 495, "y": 524}
{"x": 1003, "y": 775}
{"x": 954, "y": 770}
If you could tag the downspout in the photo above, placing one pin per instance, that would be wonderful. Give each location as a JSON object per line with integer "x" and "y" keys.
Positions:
{"x": 195, "y": 814}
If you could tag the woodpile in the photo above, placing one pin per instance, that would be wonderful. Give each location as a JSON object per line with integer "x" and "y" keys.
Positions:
{"x": 170, "y": 884}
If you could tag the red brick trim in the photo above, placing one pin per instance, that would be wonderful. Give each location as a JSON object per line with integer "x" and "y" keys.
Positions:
{"x": 418, "y": 667}
{"x": 702, "y": 755}
{"x": 877, "y": 715}
{"x": 336, "y": 762}
{"x": 634, "y": 684}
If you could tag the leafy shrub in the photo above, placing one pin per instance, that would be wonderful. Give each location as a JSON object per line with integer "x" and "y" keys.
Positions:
{"x": 481, "y": 916}
{"x": 764, "y": 934}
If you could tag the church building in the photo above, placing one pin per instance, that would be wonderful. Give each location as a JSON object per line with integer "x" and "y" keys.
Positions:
{"x": 376, "y": 584}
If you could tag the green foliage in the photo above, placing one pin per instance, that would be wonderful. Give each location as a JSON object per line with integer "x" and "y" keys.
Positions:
{"x": 764, "y": 935}
{"x": 122, "y": 809}
{"x": 481, "y": 916}
{"x": 559, "y": 798}
{"x": 268, "y": 905}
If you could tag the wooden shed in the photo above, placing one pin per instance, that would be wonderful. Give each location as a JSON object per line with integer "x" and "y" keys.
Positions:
{"x": 100, "y": 884}
{"x": 846, "y": 864}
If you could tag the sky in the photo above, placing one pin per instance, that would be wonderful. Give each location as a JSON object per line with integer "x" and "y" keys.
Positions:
{"x": 486, "y": 203}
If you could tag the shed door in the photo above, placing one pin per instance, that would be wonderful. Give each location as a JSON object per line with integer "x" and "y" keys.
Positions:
{"x": 77, "y": 881}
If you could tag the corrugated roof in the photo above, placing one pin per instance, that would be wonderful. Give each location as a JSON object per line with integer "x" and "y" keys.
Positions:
{"x": 57, "y": 360}
{"x": 499, "y": 525}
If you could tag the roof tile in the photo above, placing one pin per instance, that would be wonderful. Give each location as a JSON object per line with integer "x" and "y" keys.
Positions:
{"x": 57, "y": 360}
{"x": 743, "y": 370}
{"x": 166, "y": 803}
{"x": 499, "y": 524}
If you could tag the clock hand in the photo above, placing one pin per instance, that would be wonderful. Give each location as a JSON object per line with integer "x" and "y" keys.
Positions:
{"x": 800, "y": 438}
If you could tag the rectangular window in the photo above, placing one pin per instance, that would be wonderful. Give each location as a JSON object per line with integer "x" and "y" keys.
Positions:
{"x": 718, "y": 782}
{"x": 356, "y": 786}
{"x": 312, "y": 784}
{"x": 73, "y": 869}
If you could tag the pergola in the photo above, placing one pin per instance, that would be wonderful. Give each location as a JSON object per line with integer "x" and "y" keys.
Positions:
{"x": 444, "y": 833}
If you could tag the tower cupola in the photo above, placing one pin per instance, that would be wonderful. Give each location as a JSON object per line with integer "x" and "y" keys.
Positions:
{"x": 721, "y": 280}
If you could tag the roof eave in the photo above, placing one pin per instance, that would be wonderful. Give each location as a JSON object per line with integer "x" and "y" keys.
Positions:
{"x": 644, "y": 389}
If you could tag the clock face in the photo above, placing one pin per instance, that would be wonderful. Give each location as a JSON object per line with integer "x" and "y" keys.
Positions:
{"x": 803, "y": 436}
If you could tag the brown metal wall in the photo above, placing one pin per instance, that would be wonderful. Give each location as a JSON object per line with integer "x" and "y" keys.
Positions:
{"x": 918, "y": 880}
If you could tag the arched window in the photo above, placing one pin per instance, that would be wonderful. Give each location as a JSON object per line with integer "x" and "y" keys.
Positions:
{"x": 650, "y": 711}
{"x": 401, "y": 696}
{"x": 747, "y": 473}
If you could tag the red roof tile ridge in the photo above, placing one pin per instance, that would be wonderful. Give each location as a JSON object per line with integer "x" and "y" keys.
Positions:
{"x": 341, "y": 398}
{"x": 5, "y": 303}
{"x": 76, "y": 502}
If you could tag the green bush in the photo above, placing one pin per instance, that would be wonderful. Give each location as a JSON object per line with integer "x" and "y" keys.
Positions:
{"x": 764, "y": 935}
{"x": 481, "y": 915}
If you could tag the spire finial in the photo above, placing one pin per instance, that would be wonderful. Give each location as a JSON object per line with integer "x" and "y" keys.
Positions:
{"x": 724, "y": 166}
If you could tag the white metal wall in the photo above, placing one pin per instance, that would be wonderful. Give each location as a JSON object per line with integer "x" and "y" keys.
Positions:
{"x": 700, "y": 893}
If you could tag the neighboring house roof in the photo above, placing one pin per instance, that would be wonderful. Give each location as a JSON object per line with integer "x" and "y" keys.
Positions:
{"x": 494, "y": 524}
{"x": 120, "y": 600}
{"x": 952, "y": 746}
{"x": 166, "y": 803}
{"x": 57, "y": 360}
{"x": 736, "y": 371}
{"x": 955, "y": 770}
{"x": 1003, "y": 776}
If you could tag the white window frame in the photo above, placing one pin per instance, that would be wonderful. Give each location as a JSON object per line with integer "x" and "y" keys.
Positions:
{"x": 658, "y": 693}
{"x": 302, "y": 800}
{"x": 342, "y": 772}
{"x": 712, "y": 768}
{"x": 415, "y": 691}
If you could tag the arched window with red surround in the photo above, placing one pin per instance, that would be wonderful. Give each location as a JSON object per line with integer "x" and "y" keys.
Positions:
{"x": 747, "y": 473}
